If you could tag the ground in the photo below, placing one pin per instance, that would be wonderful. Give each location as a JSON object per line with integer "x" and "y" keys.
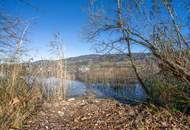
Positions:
{"x": 103, "y": 114}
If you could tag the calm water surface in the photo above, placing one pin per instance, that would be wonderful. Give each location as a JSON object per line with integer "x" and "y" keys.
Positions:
{"x": 128, "y": 93}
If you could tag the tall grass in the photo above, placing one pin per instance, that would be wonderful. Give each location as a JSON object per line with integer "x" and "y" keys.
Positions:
{"x": 18, "y": 98}
{"x": 57, "y": 49}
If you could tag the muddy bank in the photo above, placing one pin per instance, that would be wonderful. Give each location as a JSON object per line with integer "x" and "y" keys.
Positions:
{"x": 103, "y": 114}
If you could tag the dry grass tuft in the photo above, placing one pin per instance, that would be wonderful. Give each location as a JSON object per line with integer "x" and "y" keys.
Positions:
{"x": 18, "y": 99}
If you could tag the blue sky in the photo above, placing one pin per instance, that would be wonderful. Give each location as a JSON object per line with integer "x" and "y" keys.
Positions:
{"x": 65, "y": 16}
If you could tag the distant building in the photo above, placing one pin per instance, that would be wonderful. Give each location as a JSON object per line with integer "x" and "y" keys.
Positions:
{"x": 84, "y": 69}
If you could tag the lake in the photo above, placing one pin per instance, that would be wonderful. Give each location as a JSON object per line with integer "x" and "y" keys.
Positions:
{"x": 127, "y": 93}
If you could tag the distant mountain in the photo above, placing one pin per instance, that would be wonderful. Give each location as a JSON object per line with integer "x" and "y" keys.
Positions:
{"x": 93, "y": 65}
{"x": 97, "y": 58}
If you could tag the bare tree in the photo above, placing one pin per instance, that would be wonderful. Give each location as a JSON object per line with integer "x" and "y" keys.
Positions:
{"x": 12, "y": 38}
{"x": 155, "y": 28}
{"x": 14, "y": 88}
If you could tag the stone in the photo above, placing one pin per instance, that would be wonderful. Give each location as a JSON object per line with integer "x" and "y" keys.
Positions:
{"x": 71, "y": 99}
{"x": 61, "y": 113}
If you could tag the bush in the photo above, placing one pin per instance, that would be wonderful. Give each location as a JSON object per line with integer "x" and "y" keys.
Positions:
{"x": 169, "y": 94}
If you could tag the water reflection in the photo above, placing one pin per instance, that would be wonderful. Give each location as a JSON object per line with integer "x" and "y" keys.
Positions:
{"x": 127, "y": 93}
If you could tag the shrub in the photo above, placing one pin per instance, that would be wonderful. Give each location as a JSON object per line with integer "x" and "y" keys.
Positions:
{"x": 169, "y": 94}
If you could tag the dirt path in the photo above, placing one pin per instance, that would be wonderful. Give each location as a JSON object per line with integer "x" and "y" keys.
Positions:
{"x": 104, "y": 115}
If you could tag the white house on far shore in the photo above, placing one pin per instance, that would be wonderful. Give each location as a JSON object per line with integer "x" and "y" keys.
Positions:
{"x": 84, "y": 68}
